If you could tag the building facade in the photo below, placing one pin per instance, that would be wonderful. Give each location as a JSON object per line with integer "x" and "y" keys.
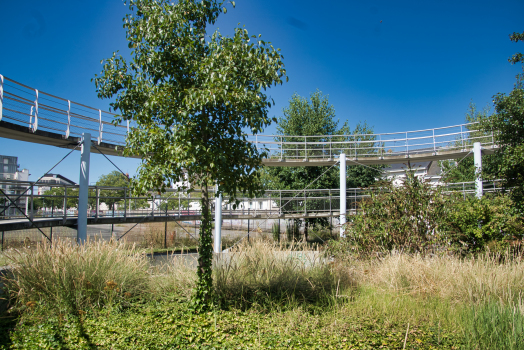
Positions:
{"x": 9, "y": 170}
{"x": 52, "y": 179}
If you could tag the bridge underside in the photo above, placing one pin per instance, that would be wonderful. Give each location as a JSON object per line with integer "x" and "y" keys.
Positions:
{"x": 22, "y": 133}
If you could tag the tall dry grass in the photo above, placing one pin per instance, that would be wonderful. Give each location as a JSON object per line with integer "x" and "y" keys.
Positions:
{"x": 264, "y": 271}
{"x": 472, "y": 280}
{"x": 72, "y": 277}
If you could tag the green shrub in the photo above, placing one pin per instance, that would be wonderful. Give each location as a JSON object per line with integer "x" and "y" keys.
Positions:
{"x": 489, "y": 221}
{"x": 71, "y": 277}
{"x": 406, "y": 218}
{"x": 320, "y": 233}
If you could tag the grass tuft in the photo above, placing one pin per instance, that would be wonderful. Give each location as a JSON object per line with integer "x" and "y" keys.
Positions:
{"x": 71, "y": 277}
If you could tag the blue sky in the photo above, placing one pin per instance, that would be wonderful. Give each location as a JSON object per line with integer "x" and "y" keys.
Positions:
{"x": 399, "y": 65}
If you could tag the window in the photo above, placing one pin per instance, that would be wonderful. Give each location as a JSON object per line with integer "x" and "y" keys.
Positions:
{"x": 6, "y": 168}
{"x": 6, "y": 160}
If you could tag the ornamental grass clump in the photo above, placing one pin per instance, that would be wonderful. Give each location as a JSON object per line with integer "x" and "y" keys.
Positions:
{"x": 68, "y": 277}
{"x": 264, "y": 272}
{"x": 473, "y": 281}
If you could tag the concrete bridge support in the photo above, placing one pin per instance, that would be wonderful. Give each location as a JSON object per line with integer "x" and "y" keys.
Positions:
{"x": 477, "y": 159}
{"x": 342, "y": 193}
{"x": 81, "y": 233}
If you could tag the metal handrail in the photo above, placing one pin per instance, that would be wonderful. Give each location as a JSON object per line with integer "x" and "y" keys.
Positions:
{"x": 73, "y": 118}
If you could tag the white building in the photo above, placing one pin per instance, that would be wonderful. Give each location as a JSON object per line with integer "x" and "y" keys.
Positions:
{"x": 428, "y": 170}
{"x": 52, "y": 179}
{"x": 9, "y": 171}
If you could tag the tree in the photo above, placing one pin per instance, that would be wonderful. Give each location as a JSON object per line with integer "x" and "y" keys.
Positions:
{"x": 312, "y": 117}
{"x": 113, "y": 196}
{"x": 507, "y": 124}
{"x": 56, "y": 197}
{"x": 190, "y": 98}
{"x": 464, "y": 170}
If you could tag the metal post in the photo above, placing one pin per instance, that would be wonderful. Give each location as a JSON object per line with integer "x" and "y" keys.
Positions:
{"x": 2, "y": 240}
{"x": 112, "y": 215}
{"x": 52, "y": 215}
{"x": 248, "y": 224}
{"x": 218, "y": 222}
{"x": 165, "y": 230}
{"x": 97, "y": 211}
{"x": 477, "y": 158}
{"x": 125, "y": 203}
{"x": 65, "y": 204}
{"x": 83, "y": 188}
{"x": 31, "y": 215}
{"x": 342, "y": 193}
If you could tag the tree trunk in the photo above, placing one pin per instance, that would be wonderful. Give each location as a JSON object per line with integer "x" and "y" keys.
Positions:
{"x": 204, "y": 291}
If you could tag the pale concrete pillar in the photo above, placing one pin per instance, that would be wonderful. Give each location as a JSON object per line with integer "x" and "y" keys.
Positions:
{"x": 477, "y": 159}
{"x": 218, "y": 223}
{"x": 342, "y": 193}
{"x": 83, "y": 193}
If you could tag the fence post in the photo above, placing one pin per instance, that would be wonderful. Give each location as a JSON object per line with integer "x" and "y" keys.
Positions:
{"x": 31, "y": 215}
{"x": 65, "y": 204}
{"x": 165, "y": 230}
{"x": 125, "y": 203}
{"x": 97, "y": 205}
{"x": 342, "y": 193}
{"x": 477, "y": 157}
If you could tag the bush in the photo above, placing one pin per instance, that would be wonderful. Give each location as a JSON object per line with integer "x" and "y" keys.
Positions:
{"x": 406, "y": 218}
{"x": 489, "y": 221}
{"x": 71, "y": 277}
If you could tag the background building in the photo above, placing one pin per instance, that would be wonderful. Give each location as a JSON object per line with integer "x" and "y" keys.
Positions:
{"x": 9, "y": 171}
{"x": 52, "y": 179}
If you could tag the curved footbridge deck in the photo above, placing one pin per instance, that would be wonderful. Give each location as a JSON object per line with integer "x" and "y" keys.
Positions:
{"x": 27, "y": 114}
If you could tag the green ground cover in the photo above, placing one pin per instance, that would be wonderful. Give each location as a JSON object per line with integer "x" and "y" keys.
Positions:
{"x": 267, "y": 296}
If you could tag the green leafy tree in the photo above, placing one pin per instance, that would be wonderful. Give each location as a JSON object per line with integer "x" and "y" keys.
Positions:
{"x": 190, "y": 97}
{"x": 312, "y": 117}
{"x": 507, "y": 125}
{"x": 55, "y": 198}
{"x": 464, "y": 169}
{"x": 111, "y": 196}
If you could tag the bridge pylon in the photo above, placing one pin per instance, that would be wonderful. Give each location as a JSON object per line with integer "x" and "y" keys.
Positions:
{"x": 83, "y": 193}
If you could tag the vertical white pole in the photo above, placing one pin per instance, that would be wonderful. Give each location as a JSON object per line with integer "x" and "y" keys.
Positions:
{"x": 218, "y": 223}
{"x": 477, "y": 158}
{"x": 1, "y": 95}
{"x": 83, "y": 189}
{"x": 342, "y": 193}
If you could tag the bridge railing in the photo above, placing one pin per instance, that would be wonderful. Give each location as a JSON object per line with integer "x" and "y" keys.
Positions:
{"x": 38, "y": 110}
{"x": 60, "y": 201}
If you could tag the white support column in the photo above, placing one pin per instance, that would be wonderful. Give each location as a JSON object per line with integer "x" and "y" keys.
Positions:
{"x": 1, "y": 95}
{"x": 81, "y": 233}
{"x": 342, "y": 193}
{"x": 218, "y": 223}
{"x": 477, "y": 158}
